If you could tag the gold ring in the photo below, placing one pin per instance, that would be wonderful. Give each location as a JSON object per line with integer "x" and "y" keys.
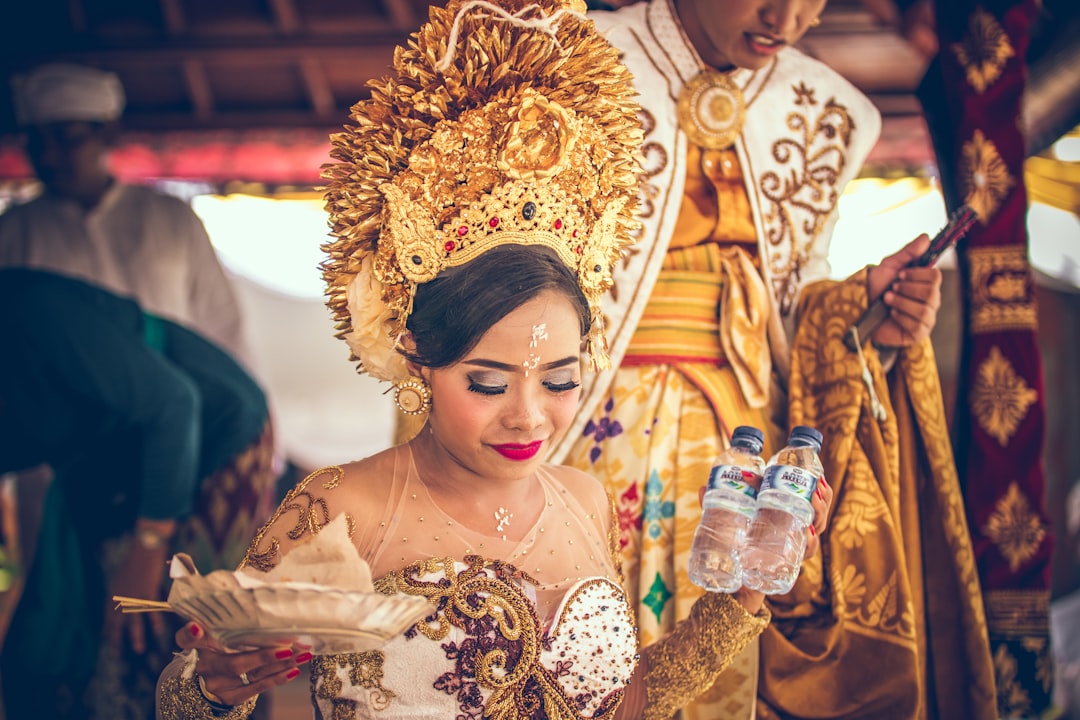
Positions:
{"x": 244, "y": 679}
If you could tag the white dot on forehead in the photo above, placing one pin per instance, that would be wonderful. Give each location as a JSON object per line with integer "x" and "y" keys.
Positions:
{"x": 539, "y": 332}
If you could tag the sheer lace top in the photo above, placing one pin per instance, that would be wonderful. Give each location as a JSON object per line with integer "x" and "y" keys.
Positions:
{"x": 533, "y": 624}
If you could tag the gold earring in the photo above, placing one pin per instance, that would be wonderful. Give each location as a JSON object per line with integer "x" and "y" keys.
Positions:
{"x": 413, "y": 395}
{"x": 815, "y": 22}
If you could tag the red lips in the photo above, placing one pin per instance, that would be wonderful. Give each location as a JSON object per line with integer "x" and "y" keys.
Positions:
{"x": 513, "y": 451}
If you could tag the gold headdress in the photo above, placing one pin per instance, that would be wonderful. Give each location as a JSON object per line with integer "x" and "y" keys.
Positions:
{"x": 509, "y": 123}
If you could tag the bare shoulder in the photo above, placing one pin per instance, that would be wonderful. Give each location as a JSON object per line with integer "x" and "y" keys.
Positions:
{"x": 366, "y": 476}
{"x": 585, "y": 487}
{"x": 358, "y": 490}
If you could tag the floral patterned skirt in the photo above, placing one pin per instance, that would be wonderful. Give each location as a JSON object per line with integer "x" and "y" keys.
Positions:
{"x": 652, "y": 443}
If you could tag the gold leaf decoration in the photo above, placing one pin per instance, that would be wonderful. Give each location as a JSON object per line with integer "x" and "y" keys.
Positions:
{"x": 1011, "y": 693}
{"x": 983, "y": 51}
{"x": 1000, "y": 398}
{"x": 1000, "y": 290}
{"x": 984, "y": 177}
{"x": 1015, "y": 528}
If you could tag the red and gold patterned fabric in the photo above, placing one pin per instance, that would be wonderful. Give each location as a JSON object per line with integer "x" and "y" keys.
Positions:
{"x": 1001, "y": 420}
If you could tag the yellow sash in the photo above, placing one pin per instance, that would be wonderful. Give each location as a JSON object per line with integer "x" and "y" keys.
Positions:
{"x": 717, "y": 316}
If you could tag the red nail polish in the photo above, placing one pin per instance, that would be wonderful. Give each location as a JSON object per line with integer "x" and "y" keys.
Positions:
{"x": 820, "y": 496}
{"x": 812, "y": 530}
{"x": 303, "y": 658}
{"x": 195, "y": 631}
{"x": 283, "y": 653}
{"x": 292, "y": 673}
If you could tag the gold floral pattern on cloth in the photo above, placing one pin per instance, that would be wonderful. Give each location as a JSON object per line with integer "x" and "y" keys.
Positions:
{"x": 312, "y": 513}
{"x": 984, "y": 177}
{"x": 1001, "y": 290}
{"x": 1015, "y": 528}
{"x": 869, "y": 594}
{"x": 797, "y": 200}
{"x": 1000, "y": 398}
{"x": 901, "y": 566}
{"x": 1020, "y": 634}
{"x": 983, "y": 51}
{"x": 1011, "y": 692}
{"x": 363, "y": 670}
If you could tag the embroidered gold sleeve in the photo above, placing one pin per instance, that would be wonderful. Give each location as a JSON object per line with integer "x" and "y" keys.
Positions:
{"x": 614, "y": 546}
{"x": 179, "y": 696}
{"x": 304, "y": 511}
{"x": 686, "y": 662}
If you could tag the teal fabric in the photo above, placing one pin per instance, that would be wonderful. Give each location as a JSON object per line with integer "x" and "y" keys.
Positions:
{"x": 53, "y": 640}
{"x": 154, "y": 332}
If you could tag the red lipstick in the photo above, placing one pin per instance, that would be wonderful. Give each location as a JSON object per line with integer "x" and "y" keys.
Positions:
{"x": 513, "y": 451}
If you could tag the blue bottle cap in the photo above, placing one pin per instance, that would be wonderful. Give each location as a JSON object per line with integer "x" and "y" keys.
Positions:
{"x": 806, "y": 434}
{"x": 750, "y": 435}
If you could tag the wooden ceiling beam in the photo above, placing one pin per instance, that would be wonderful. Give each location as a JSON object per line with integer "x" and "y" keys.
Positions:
{"x": 233, "y": 120}
{"x": 336, "y": 49}
{"x": 198, "y": 87}
{"x": 402, "y": 15}
{"x": 319, "y": 92}
{"x": 175, "y": 17}
{"x": 286, "y": 18}
{"x": 77, "y": 13}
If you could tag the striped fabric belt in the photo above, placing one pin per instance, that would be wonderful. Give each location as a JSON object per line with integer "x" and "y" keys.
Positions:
{"x": 680, "y": 323}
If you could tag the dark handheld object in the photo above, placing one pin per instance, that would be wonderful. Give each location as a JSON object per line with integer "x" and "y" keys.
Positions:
{"x": 959, "y": 223}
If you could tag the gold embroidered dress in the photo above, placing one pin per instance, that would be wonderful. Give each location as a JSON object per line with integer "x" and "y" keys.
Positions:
{"x": 528, "y": 625}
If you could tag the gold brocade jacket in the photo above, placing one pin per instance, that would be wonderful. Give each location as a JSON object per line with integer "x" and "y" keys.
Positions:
{"x": 887, "y": 621}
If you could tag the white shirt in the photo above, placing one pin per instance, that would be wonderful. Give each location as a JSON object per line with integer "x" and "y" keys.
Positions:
{"x": 137, "y": 242}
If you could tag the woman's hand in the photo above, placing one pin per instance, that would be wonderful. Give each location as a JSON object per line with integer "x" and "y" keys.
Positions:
{"x": 231, "y": 678}
{"x": 913, "y": 295}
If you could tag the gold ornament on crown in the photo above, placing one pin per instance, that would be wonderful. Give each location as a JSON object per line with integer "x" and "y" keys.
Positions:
{"x": 508, "y": 123}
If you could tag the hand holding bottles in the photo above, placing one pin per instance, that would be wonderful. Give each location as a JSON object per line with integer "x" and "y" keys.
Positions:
{"x": 776, "y": 542}
{"x": 760, "y": 544}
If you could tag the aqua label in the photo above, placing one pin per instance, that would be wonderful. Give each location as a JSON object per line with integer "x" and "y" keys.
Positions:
{"x": 790, "y": 478}
{"x": 735, "y": 477}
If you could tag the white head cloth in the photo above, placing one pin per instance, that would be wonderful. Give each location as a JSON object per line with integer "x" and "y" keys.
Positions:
{"x": 67, "y": 93}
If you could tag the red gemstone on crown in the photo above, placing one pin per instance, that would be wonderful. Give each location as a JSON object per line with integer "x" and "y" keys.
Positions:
{"x": 575, "y": 233}
{"x": 463, "y": 230}
{"x": 558, "y": 224}
{"x": 449, "y": 246}
{"x": 493, "y": 222}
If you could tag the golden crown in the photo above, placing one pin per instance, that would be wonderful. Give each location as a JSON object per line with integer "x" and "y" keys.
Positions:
{"x": 509, "y": 123}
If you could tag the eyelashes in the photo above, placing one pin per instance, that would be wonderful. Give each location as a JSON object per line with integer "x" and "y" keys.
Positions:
{"x": 486, "y": 389}
{"x": 554, "y": 387}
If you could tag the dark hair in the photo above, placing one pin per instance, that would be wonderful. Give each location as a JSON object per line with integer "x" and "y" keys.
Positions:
{"x": 452, "y": 312}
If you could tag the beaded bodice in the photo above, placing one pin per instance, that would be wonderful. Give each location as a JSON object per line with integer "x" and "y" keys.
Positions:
{"x": 528, "y": 620}
{"x": 484, "y": 652}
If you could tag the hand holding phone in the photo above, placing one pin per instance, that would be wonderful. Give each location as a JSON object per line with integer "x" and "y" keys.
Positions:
{"x": 959, "y": 224}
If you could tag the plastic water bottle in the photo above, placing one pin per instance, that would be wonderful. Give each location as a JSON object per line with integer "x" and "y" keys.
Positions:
{"x": 775, "y": 544}
{"x": 727, "y": 509}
